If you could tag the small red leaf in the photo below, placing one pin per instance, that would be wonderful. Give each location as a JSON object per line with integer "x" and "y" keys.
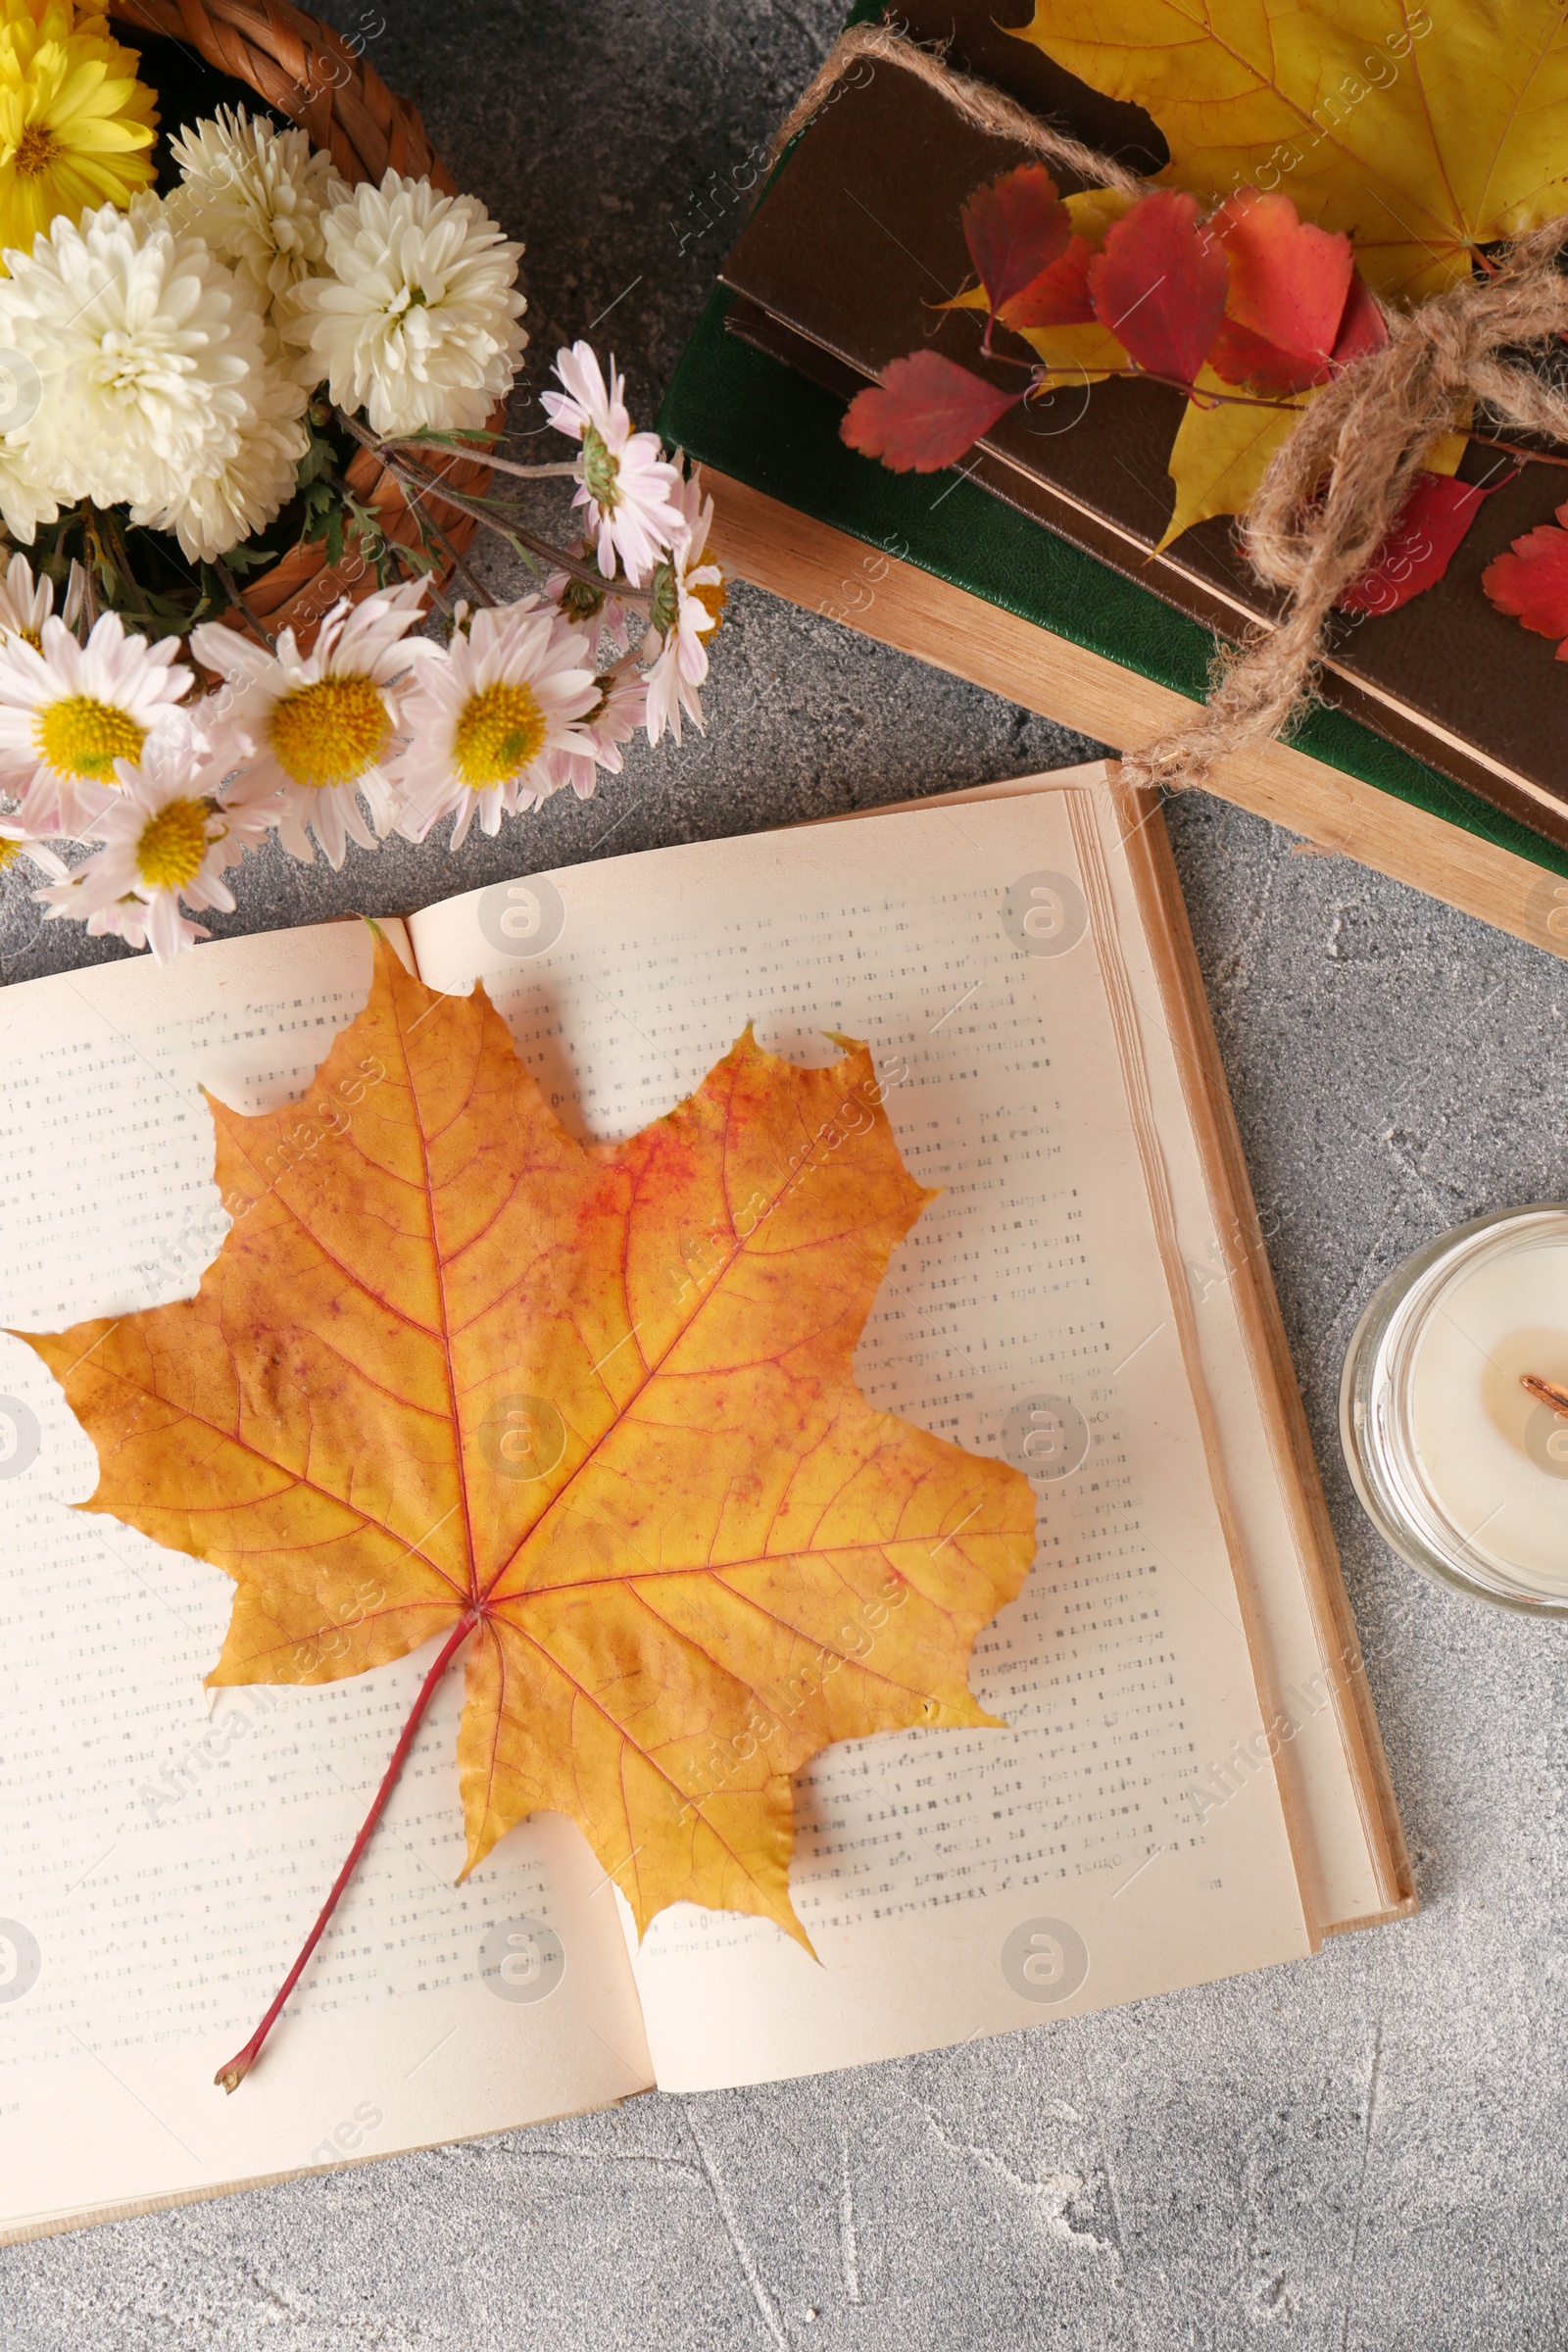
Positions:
{"x": 1419, "y": 549}
{"x": 923, "y": 415}
{"x": 1288, "y": 280}
{"x": 1058, "y": 296}
{"x": 1531, "y": 580}
{"x": 1014, "y": 229}
{"x": 1160, "y": 285}
{"x": 1296, "y": 307}
{"x": 1241, "y": 357}
{"x": 1363, "y": 328}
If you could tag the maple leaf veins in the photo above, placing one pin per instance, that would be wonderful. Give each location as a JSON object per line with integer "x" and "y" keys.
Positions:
{"x": 454, "y": 1370}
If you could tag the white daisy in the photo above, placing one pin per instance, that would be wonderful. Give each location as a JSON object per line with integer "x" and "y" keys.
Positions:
{"x": 485, "y": 723}
{"x": 624, "y": 480}
{"x": 26, "y": 603}
{"x": 256, "y": 195}
{"x": 320, "y": 729}
{"x": 17, "y": 842}
{"x": 249, "y": 806}
{"x": 622, "y": 708}
{"x": 152, "y": 360}
{"x": 164, "y": 842}
{"x": 70, "y": 711}
{"x": 415, "y": 320}
{"x": 687, "y": 603}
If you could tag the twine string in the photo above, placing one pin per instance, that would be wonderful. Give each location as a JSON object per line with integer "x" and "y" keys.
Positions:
{"x": 1335, "y": 489}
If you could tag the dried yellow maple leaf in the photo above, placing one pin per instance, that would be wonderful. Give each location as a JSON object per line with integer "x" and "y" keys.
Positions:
{"x": 588, "y": 1410}
{"x": 1221, "y": 453}
{"x": 1424, "y": 132}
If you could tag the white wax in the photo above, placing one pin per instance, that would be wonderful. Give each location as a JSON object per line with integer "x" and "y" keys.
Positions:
{"x": 1469, "y": 1416}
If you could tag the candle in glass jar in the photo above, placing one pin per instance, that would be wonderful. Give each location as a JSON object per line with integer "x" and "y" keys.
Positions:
{"x": 1464, "y": 1469}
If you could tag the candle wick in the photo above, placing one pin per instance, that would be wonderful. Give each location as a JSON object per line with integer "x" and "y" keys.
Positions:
{"x": 1546, "y": 1391}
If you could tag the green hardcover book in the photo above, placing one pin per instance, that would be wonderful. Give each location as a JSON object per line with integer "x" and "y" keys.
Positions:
{"x": 759, "y": 422}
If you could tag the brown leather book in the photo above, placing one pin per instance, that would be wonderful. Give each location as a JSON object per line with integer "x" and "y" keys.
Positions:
{"x": 859, "y": 239}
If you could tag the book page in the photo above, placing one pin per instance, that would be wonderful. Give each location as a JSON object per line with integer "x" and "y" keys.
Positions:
{"x": 1309, "y": 1672}
{"x": 951, "y": 1883}
{"x": 165, "y": 1853}
{"x": 1306, "y": 1654}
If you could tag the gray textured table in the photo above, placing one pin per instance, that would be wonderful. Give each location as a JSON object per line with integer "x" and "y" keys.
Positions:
{"x": 1364, "y": 2150}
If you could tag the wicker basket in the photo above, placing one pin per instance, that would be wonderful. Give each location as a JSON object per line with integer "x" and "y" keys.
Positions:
{"x": 307, "y": 71}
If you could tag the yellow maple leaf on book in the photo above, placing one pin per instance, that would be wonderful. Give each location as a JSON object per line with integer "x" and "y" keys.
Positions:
{"x": 1423, "y": 132}
{"x": 585, "y": 1411}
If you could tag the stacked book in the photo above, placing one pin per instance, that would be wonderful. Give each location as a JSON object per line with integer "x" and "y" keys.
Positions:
{"x": 1436, "y": 752}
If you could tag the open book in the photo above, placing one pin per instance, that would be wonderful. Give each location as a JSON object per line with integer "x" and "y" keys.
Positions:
{"x": 1191, "y": 1781}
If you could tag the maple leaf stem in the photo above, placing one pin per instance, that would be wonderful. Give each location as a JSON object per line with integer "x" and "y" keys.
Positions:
{"x": 233, "y": 2073}
{"x": 1526, "y": 456}
{"x": 1206, "y": 398}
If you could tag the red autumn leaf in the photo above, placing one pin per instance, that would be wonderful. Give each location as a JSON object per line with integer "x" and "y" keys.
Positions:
{"x": 1014, "y": 229}
{"x": 1241, "y": 357}
{"x": 1531, "y": 581}
{"x": 1058, "y": 296}
{"x": 1363, "y": 328}
{"x": 1288, "y": 280}
{"x": 923, "y": 415}
{"x": 1419, "y": 549}
{"x": 1161, "y": 284}
{"x": 1297, "y": 308}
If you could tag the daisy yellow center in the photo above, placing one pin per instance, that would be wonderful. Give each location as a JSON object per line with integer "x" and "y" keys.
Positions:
{"x": 171, "y": 845}
{"x": 10, "y": 851}
{"x": 499, "y": 731}
{"x": 712, "y": 596}
{"x": 330, "y": 733}
{"x": 37, "y": 151}
{"x": 81, "y": 737}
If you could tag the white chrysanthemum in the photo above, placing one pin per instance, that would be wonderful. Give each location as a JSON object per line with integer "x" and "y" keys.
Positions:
{"x": 166, "y": 839}
{"x": 415, "y": 320}
{"x": 320, "y": 729}
{"x": 26, "y": 601}
{"x": 630, "y": 491}
{"x": 70, "y": 712}
{"x": 216, "y": 513}
{"x": 485, "y": 723}
{"x": 687, "y": 603}
{"x": 25, "y": 498}
{"x": 256, "y": 195}
{"x": 152, "y": 359}
{"x": 622, "y": 708}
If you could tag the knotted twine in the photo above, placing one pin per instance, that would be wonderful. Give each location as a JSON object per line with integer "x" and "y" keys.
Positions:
{"x": 1334, "y": 491}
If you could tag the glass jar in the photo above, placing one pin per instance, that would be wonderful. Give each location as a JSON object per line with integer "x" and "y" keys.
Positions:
{"x": 1458, "y": 1466}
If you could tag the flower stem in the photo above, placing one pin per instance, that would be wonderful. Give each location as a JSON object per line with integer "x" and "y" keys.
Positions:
{"x": 517, "y": 534}
{"x": 234, "y": 2072}
{"x": 235, "y": 596}
{"x": 487, "y": 457}
{"x": 503, "y": 523}
{"x": 432, "y": 529}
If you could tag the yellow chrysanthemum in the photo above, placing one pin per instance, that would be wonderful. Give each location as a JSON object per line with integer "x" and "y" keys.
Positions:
{"x": 76, "y": 124}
